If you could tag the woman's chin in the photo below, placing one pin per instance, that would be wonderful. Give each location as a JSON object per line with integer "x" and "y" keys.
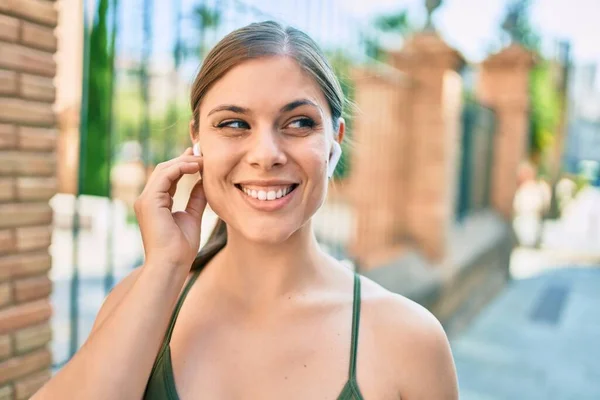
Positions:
{"x": 267, "y": 235}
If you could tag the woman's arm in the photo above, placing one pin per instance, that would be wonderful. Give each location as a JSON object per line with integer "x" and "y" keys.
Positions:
{"x": 414, "y": 344}
{"x": 116, "y": 360}
{"x": 431, "y": 366}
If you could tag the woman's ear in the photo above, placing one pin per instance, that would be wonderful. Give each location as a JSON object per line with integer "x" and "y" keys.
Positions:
{"x": 334, "y": 158}
{"x": 341, "y": 130}
{"x": 336, "y": 151}
{"x": 195, "y": 138}
{"x": 193, "y": 131}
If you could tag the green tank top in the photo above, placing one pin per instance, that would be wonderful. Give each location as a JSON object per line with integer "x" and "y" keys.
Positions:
{"x": 161, "y": 385}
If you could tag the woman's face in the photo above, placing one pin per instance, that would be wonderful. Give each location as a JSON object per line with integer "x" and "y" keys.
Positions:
{"x": 266, "y": 134}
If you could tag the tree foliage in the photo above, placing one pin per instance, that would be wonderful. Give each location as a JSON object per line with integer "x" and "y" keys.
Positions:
{"x": 518, "y": 25}
{"x": 544, "y": 96}
{"x": 545, "y": 108}
{"x": 342, "y": 66}
{"x": 388, "y": 24}
{"x": 94, "y": 158}
{"x": 204, "y": 17}
{"x": 396, "y": 23}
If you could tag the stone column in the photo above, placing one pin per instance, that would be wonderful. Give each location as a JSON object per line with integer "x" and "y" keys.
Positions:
{"x": 433, "y": 139}
{"x": 504, "y": 85}
{"x": 27, "y": 181}
{"x": 377, "y": 180}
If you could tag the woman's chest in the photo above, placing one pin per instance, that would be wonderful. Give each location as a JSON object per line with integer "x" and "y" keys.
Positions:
{"x": 292, "y": 361}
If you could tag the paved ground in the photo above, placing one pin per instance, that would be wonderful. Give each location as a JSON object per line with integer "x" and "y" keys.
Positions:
{"x": 540, "y": 339}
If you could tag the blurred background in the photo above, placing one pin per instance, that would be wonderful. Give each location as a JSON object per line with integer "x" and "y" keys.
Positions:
{"x": 472, "y": 185}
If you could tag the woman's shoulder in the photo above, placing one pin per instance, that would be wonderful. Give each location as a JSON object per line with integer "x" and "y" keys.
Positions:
{"x": 408, "y": 337}
{"x": 397, "y": 314}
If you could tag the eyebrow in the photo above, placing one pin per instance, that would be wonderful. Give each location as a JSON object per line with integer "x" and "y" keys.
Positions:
{"x": 287, "y": 108}
{"x": 298, "y": 103}
{"x": 230, "y": 107}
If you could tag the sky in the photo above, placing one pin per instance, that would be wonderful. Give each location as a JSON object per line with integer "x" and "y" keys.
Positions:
{"x": 471, "y": 26}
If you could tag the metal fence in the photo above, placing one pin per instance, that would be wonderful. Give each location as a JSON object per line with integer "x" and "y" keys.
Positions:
{"x": 476, "y": 157}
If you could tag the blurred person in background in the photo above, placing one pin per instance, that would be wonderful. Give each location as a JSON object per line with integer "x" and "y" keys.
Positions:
{"x": 531, "y": 202}
{"x": 261, "y": 312}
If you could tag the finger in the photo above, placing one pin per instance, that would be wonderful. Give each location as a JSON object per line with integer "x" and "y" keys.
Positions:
{"x": 167, "y": 164}
{"x": 173, "y": 188}
{"x": 187, "y": 155}
{"x": 186, "y": 158}
{"x": 197, "y": 202}
{"x": 167, "y": 178}
{"x": 187, "y": 152}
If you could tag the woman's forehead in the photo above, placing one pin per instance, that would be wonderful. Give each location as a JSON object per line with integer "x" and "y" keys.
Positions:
{"x": 264, "y": 83}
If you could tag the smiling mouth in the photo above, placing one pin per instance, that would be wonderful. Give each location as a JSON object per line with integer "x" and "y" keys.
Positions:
{"x": 268, "y": 194}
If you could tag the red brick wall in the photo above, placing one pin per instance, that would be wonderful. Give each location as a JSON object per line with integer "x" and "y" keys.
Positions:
{"x": 431, "y": 63}
{"x": 377, "y": 184}
{"x": 404, "y": 171}
{"x": 27, "y": 181}
{"x": 503, "y": 85}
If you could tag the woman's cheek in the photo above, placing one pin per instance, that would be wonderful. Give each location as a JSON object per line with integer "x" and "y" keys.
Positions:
{"x": 212, "y": 181}
{"x": 317, "y": 154}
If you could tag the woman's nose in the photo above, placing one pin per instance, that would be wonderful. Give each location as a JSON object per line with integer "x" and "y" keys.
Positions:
{"x": 266, "y": 151}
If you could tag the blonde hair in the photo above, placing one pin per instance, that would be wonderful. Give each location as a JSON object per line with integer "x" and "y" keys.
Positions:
{"x": 253, "y": 41}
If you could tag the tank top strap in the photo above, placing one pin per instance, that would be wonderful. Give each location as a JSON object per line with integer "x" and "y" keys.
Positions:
{"x": 182, "y": 297}
{"x": 355, "y": 326}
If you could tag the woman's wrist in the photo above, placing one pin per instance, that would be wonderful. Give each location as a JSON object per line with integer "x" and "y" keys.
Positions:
{"x": 166, "y": 270}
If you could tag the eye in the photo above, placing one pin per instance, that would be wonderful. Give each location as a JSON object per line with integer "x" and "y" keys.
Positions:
{"x": 234, "y": 124}
{"x": 301, "y": 123}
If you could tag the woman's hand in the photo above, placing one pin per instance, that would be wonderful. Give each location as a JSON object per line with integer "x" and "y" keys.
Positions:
{"x": 171, "y": 238}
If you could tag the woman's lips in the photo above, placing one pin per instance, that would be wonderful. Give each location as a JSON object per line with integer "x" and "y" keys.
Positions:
{"x": 268, "y": 198}
{"x": 267, "y": 193}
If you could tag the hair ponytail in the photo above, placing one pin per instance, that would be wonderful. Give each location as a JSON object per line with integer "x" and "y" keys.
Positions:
{"x": 215, "y": 243}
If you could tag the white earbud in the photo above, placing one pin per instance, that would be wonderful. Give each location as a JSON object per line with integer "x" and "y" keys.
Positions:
{"x": 197, "y": 152}
{"x": 335, "y": 158}
{"x": 196, "y": 149}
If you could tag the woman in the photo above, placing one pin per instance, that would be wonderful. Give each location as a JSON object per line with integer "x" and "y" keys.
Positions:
{"x": 271, "y": 316}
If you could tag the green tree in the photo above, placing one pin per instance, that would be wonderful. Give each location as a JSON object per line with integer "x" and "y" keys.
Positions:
{"x": 544, "y": 97}
{"x": 342, "y": 65}
{"x": 147, "y": 44}
{"x": 518, "y": 25}
{"x": 545, "y": 110}
{"x": 97, "y": 124}
{"x": 205, "y": 17}
{"x": 172, "y": 117}
{"x": 396, "y": 24}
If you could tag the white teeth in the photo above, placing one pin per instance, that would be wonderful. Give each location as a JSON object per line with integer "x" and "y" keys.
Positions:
{"x": 267, "y": 196}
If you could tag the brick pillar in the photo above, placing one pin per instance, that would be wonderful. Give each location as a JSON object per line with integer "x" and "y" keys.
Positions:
{"x": 27, "y": 181}
{"x": 69, "y": 84}
{"x": 377, "y": 181}
{"x": 433, "y": 140}
{"x": 504, "y": 85}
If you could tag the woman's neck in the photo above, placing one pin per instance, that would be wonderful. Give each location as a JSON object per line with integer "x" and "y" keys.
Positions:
{"x": 262, "y": 273}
